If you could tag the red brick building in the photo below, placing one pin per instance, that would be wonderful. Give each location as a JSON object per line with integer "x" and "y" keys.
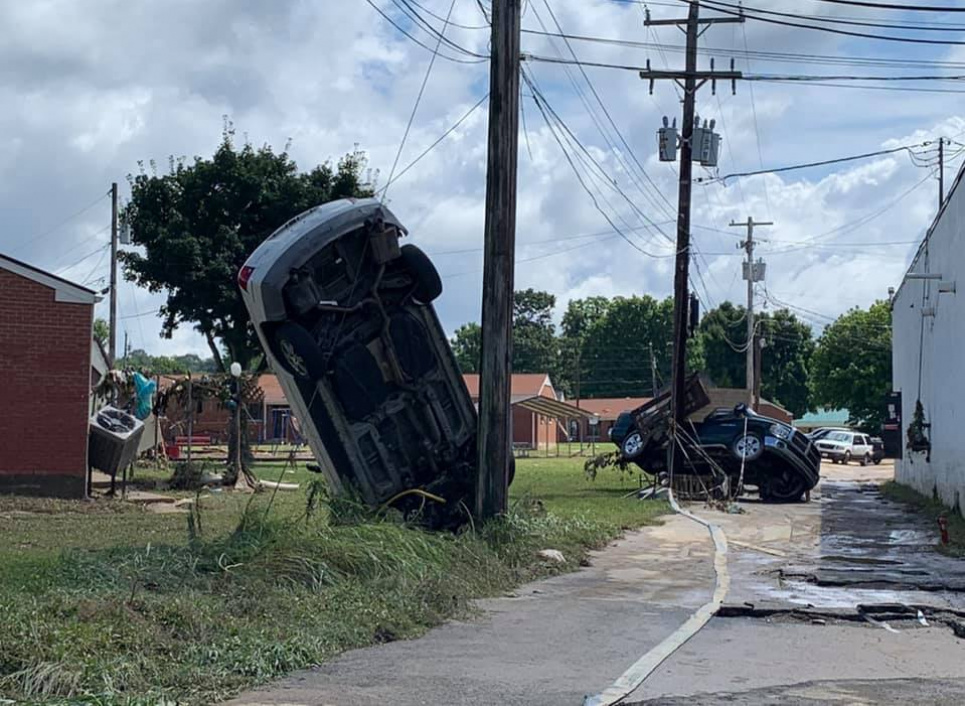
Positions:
{"x": 46, "y": 326}
{"x": 530, "y": 429}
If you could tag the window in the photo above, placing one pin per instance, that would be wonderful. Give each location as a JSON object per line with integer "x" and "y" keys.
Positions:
{"x": 840, "y": 436}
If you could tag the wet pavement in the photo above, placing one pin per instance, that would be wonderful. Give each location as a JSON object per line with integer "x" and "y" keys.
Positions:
{"x": 822, "y": 608}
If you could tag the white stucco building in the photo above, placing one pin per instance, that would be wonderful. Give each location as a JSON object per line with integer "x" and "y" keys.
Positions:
{"x": 929, "y": 353}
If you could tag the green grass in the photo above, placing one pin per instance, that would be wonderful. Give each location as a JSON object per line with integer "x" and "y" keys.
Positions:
{"x": 103, "y": 602}
{"x": 932, "y": 509}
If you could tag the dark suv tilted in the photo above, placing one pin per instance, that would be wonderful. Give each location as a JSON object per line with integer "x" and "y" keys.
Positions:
{"x": 780, "y": 461}
{"x": 344, "y": 313}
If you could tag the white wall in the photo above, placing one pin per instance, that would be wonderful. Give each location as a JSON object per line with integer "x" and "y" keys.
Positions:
{"x": 937, "y": 347}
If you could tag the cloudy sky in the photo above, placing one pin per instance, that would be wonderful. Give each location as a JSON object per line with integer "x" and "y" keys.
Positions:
{"x": 91, "y": 88}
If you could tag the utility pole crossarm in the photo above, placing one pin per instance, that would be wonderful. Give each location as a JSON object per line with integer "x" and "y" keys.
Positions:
{"x": 651, "y": 74}
{"x": 683, "y": 22}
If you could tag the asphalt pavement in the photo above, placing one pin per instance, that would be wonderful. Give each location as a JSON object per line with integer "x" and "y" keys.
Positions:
{"x": 823, "y": 607}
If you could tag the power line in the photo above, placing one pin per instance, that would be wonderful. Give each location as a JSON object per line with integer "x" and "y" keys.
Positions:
{"x": 421, "y": 44}
{"x": 894, "y": 6}
{"x": 64, "y": 222}
{"x": 762, "y": 55}
{"x": 723, "y": 8}
{"x": 847, "y": 21}
{"x": 809, "y": 165}
{"x": 442, "y": 137}
{"x": 415, "y": 107}
{"x": 904, "y": 89}
{"x": 441, "y": 19}
{"x": 411, "y": 13}
{"x": 613, "y": 125}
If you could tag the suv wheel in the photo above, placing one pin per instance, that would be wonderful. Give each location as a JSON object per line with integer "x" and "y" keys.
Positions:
{"x": 866, "y": 460}
{"x": 297, "y": 352}
{"x": 428, "y": 284}
{"x": 632, "y": 445}
{"x": 846, "y": 459}
{"x": 747, "y": 447}
{"x": 783, "y": 487}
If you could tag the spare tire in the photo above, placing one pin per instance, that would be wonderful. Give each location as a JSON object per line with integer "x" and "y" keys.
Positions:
{"x": 297, "y": 351}
{"x": 428, "y": 284}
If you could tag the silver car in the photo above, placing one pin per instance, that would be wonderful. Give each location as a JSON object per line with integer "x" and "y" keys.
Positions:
{"x": 344, "y": 314}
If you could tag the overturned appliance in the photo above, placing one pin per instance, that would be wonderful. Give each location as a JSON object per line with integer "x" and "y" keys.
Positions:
{"x": 344, "y": 314}
{"x": 747, "y": 448}
{"x": 113, "y": 440}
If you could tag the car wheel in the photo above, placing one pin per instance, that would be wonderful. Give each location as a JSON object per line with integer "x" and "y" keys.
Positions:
{"x": 783, "y": 487}
{"x": 428, "y": 284}
{"x": 866, "y": 460}
{"x": 632, "y": 445}
{"x": 846, "y": 459}
{"x": 876, "y": 461}
{"x": 297, "y": 352}
{"x": 747, "y": 447}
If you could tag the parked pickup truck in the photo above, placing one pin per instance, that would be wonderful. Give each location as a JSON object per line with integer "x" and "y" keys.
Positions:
{"x": 781, "y": 462}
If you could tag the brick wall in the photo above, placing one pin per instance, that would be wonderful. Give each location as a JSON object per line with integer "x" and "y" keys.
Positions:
{"x": 44, "y": 396}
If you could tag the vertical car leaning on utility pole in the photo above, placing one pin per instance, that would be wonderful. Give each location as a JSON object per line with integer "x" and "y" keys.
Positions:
{"x": 344, "y": 314}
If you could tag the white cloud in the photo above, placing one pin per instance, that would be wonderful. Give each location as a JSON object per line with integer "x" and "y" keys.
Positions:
{"x": 91, "y": 90}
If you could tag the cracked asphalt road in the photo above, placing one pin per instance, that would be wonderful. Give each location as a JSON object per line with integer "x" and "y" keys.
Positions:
{"x": 557, "y": 640}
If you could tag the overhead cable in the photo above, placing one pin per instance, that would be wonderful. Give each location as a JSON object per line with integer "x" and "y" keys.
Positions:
{"x": 420, "y": 43}
{"x": 713, "y": 5}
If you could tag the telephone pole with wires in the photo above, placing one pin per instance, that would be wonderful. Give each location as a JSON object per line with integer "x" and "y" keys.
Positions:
{"x": 753, "y": 272}
{"x": 690, "y": 80}
{"x": 495, "y": 436}
{"x": 112, "y": 336}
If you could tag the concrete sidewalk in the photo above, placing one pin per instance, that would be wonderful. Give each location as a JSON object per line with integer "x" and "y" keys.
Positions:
{"x": 553, "y": 643}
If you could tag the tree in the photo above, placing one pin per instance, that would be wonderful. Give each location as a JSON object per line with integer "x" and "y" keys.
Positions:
{"x": 723, "y": 335}
{"x": 141, "y": 360}
{"x": 467, "y": 345}
{"x": 535, "y": 347}
{"x": 581, "y": 314}
{"x": 615, "y": 352}
{"x": 851, "y": 366}
{"x": 102, "y": 332}
{"x": 786, "y": 361}
{"x": 198, "y": 223}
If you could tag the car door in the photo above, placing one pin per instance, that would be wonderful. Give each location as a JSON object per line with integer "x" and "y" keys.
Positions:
{"x": 866, "y": 447}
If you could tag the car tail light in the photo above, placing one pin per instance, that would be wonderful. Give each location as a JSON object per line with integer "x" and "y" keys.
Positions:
{"x": 244, "y": 275}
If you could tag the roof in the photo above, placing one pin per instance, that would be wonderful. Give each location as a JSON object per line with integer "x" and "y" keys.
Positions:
{"x": 609, "y": 408}
{"x": 272, "y": 389}
{"x": 825, "y": 418}
{"x": 523, "y": 384}
{"x": 551, "y": 407}
{"x": 64, "y": 290}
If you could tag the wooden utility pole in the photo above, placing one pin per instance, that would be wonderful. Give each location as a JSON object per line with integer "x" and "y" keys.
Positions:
{"x": 653, "y": 372}
{"x": 692, "y": 81}
{"x": 759, "y": 344}
{"x": 752, "y": 273}
{"x": 112, "y": 336}
{"x": 494, "y": 438}
{"x": 941, "y": 172}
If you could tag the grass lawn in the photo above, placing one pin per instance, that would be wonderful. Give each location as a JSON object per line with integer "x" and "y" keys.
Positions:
{"x": 104, "y": 602}
{"x": 932, "y": 509}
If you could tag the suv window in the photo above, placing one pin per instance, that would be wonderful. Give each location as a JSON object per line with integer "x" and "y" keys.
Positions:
{"x": 840, "y": 436}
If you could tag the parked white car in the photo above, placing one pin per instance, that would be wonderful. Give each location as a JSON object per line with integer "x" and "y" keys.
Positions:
{"x": 843, "y": 446}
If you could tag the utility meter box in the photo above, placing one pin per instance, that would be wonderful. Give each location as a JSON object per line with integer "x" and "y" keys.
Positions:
{"x": 710, "y": 149}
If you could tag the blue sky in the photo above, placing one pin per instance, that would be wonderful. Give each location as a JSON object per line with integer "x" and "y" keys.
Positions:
{"x": 91, "y": 90}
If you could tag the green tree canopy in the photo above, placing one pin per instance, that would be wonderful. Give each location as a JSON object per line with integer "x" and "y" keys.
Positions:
{"x": 198, "y": 223}
{"x": 723, "y": 334}
{"x": 467, "y": 345}
{"x": 535, "y": 347}
{"x": 851, "y": 366}
{"x": 786, "y": 361}
{"x": 615, "y": 355}
{"x": 102, "y": 332}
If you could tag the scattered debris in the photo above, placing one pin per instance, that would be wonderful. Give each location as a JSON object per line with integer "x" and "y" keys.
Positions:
{"x": 553, "y": 555}
{"x": 279, "y": 486}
